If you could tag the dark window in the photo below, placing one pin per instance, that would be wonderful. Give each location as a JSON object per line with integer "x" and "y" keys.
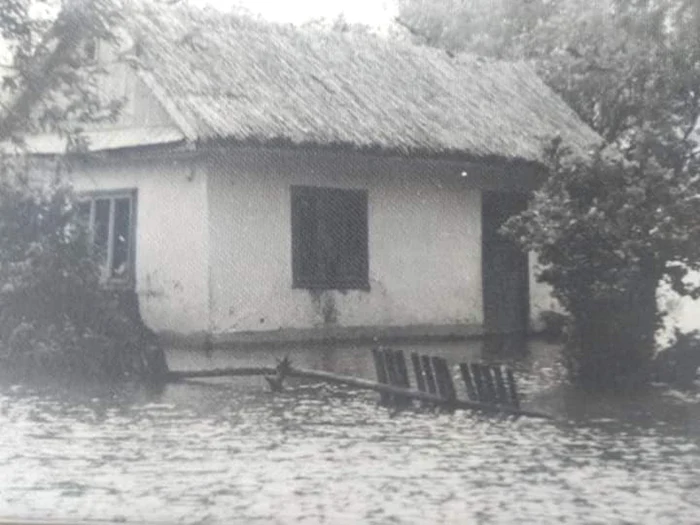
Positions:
{"x": 110, "y": 218}
{"x": 329, "y": 238}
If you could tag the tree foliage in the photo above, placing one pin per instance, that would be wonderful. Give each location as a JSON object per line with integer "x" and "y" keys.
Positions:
{"x": 607, "y": 234}
{"x": 607, "y": 228}
{"x": 50, "y": 84}
{"x": 56, "y": 318}
{"x": 625, "y": 66}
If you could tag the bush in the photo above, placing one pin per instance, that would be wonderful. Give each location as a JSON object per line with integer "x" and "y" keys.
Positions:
{"x": 678, "y": 364}
{"x": 55, "y": 317}
{"x": 555, "y": 325}
{"x": 607, "y": 231}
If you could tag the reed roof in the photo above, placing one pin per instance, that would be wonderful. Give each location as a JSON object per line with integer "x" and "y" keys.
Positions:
{"x": 249, "y": 81}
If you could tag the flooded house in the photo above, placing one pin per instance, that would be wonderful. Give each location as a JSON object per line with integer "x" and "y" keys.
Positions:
{"x": 265, "y": 182}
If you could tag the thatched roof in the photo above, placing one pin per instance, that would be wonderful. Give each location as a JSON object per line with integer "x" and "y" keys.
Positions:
{"x": 249, "y": 81}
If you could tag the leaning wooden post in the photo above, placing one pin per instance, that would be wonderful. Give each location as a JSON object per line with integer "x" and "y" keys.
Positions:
{"x": 382, "y": 375}
{"x": 468, "y": 382}
{"x": 501, "y": 390}
{"x": 429, "y": 376}
{"x": 513, "y": 387}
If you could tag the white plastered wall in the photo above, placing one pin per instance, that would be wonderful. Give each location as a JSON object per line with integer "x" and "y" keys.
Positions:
{"x": 171, "y": 237}
{"x": 424, "y": 244}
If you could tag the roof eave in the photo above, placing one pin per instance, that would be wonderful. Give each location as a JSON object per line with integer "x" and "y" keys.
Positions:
{"x": 218, "y": 144}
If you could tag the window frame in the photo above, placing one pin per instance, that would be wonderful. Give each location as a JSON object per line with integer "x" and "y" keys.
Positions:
{"x": 91, "y": 197}
{"x": 301, "y": 281}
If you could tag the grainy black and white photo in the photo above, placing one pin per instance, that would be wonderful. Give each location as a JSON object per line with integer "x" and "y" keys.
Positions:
{"x": 349, "y": 262}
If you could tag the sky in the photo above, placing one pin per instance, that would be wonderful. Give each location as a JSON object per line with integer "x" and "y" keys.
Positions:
{"x": 376, "y": 13}
{"x": 370, "y": 12}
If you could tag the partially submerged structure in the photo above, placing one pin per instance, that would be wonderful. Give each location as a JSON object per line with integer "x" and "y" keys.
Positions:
{"x": 265, "y": 182}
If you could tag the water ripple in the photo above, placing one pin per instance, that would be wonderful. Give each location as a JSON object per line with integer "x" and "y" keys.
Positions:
{"x": 235, "y": 454}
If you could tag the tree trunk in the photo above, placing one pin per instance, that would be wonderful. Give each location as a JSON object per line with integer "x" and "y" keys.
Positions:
{"x": 613, "y": 341}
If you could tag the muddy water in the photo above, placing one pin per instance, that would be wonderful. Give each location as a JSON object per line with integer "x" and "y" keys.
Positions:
{"x": 226, "y": 451}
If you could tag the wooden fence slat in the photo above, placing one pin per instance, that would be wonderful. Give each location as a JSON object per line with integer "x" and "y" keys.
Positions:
{"x": 489, "y": 383}
{"x": 401, "y": 377}
{"x": 379, "y": 366}
{"x": 382, "y": 376}
{"x": 468, "y": 382}
{"x": 446, "y": 386}
{"x": 449, "y": 382}
{"x": 513, "y": 388}
{"x": 418, "y": 371}
{"x": 392, "y": 372}
{"x": 478, "y": 382}
{"x": 390, "y": 366}
{"x": 439, "y": 376}
{"x": 429, "y": 375}
{"x": 402, "y": 369}
{"x": 501, "y": 390}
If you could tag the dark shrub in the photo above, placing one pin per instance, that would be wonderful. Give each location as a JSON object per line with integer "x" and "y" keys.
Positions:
{"x": 607, "y": 231}
{"x": 55, "y": 316}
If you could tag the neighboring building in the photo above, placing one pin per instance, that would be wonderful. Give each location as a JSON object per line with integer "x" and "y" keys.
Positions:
{"x": 269, "y": 183}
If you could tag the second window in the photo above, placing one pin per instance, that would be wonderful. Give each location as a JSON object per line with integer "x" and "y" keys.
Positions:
{"x": 329, "y": 238}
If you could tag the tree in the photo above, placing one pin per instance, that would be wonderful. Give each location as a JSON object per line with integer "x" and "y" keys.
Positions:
{"x": 494, "y": 28}
{"x": 55, "y": 317}
{"x": 607, "y": 233}
{"x": 50, "y": 85}
{"x": 609, "y": 228}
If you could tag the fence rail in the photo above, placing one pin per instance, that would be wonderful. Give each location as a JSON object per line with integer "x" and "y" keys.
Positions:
{"x": 488, "y": 387}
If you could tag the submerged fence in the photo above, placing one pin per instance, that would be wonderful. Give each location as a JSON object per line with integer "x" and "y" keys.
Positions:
{"x": 487, "y": 387}
{"x": 488, "y": 384}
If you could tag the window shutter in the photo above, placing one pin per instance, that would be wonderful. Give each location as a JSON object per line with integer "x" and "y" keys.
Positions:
{"x": 356, "y": 239}
{"x": 304, "y": 237}
{"x": 329, "y": 238}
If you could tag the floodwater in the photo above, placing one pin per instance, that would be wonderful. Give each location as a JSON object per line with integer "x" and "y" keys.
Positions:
{"x": 228, "y": 451}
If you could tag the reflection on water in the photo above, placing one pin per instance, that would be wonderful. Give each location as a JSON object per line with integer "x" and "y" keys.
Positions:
{"x": 227, "y": 451}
